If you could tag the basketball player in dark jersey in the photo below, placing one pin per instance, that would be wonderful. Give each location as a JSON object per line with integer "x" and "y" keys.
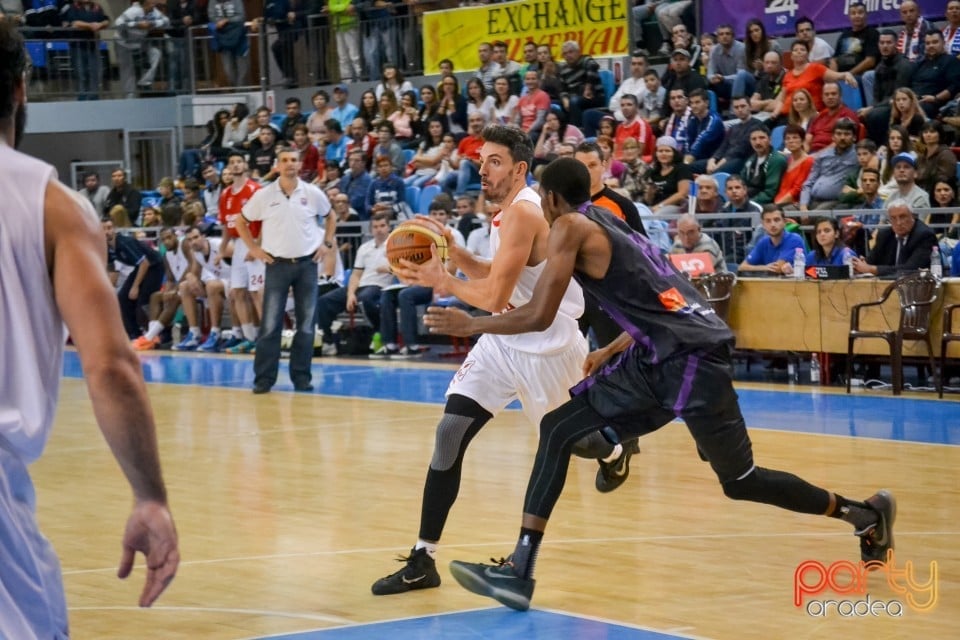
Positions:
{"x": 674, "y": 361}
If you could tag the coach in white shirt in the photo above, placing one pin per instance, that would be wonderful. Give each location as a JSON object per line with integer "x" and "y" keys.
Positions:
{"x": 290, "y": 246}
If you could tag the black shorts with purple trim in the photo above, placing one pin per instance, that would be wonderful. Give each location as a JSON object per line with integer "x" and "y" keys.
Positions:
{"x": 638, "y": 397}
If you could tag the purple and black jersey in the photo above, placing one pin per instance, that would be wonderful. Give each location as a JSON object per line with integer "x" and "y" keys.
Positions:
{"x": 644, "y": 293}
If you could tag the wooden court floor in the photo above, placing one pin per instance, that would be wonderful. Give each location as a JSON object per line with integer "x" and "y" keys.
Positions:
{"x": 289, "y": 506}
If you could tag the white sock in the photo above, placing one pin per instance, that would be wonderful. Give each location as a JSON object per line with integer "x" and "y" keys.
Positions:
{"x": 153, "y": 330}
{"x": 250, "y": 332}
{"x": 617, "y": 452}
{"x": 431, "y": 547}
{"x": 214, "y": 331}
{"x": 195, "y": 331}
{"x": 237, "y": 332}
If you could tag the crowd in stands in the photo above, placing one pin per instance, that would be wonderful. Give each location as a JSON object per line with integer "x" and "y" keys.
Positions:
{"x": 154, "y": 43}
{"x": 772, "y": 142}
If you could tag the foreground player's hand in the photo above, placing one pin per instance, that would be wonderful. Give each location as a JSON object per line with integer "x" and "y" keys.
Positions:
{"x": 428, "y": 274}
{"x": 150, "y": 530}
{"x": 594, "y": 360}
{"x": 448, "y": 321}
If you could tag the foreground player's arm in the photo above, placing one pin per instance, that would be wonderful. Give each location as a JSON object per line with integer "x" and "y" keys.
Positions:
{"x": 472, "y": 266}
{"x": 596, "y": 359}
{"x": 518, "y": 231}
{"x": 539, "y": 313}
{"x": 88, "y": 304}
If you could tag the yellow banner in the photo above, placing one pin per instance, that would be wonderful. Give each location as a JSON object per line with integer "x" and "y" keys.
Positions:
{"x": 599, "y": 26}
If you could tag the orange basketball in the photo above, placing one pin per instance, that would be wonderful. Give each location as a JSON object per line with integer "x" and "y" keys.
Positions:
{"x": 412, "y": 242}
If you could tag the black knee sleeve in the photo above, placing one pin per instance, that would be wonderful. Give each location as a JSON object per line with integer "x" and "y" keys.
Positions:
{"x": 780, "y": 489}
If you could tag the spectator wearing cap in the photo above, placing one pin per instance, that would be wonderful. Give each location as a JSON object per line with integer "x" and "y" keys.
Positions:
{"x": 830, "y": 169}
{"x": 344, "y": 112}
{"x": 908, "y": 191}
{"x": 346, "y": 26}
{"x": 680, "y": 76}
{"x": 904, "y": 246}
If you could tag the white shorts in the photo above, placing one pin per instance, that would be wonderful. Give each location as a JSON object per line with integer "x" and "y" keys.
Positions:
{"x": 32, "y": 601}
{"x": 245, "y": 274}
{"x": 494, "y": 375}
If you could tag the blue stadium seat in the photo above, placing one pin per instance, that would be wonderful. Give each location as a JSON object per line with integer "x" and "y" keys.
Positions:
{"x": 427, "y": 194}
{"x": 408, "y": 155}
{"x": 412, "y": 197}
{"x": 776, "y": 137}
{"x": 851, "y": 96}
{"x": 609, "y": 84}
{"x": 721, "y": 178}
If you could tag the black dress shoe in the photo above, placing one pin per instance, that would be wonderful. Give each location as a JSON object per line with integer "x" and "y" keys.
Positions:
{"x": 304, "y": 386}
{"x": 258, "y": 389}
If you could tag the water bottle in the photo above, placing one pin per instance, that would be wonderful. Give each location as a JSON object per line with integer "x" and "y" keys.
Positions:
{"x": 815, "y": 368}
{"x": 848, "y": 261}
{"x": 799, "y": 264}
{"x": 936, "y": 265}
{"x": 792, "y": 370}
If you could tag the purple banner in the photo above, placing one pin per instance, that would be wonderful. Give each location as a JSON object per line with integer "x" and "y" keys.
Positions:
{"x": 779, "y": 16}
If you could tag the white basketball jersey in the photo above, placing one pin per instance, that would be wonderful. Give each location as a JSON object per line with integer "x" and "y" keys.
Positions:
{"x": 31, "y": 330}
{"x": 209, "y": 270}
{"x": 564, "y": 331}
{"x": 178, "y": 262}
{"x": 32, "y": 602}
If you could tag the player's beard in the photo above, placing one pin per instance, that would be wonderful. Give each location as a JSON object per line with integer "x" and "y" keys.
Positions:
{"x": 19, "y": 125}
{"x": 496, "y": 192}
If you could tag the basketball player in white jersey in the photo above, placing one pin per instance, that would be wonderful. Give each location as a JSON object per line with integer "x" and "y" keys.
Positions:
{"x": 51, "y": 255}
{"x": 536, "y": 368}
{"x": 164, "y": 303}
{"x": 207, "y": 279}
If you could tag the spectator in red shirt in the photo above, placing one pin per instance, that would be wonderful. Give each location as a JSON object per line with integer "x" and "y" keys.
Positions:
{"x": 820, "y": 130}
{"x": 465, "y": 161}
{"x": 532, "y": 109}
{"x": 633, "y": 126}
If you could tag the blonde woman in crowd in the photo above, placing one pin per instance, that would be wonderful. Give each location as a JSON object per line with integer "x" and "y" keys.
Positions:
{"x": 905, "y": 111}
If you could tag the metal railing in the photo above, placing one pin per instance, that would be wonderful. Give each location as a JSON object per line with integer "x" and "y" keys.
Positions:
{"x": 66, "y": 67}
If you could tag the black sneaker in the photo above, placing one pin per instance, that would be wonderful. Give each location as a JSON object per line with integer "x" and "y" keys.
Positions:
{"x": 612, "y": 474}
{"x": 419, "y": 572}
{"x": 497, "y": 581}
{"x": 877, "y": 539}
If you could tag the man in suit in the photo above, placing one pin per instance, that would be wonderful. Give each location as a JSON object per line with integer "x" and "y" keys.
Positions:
{"x": 905, "y": 246}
